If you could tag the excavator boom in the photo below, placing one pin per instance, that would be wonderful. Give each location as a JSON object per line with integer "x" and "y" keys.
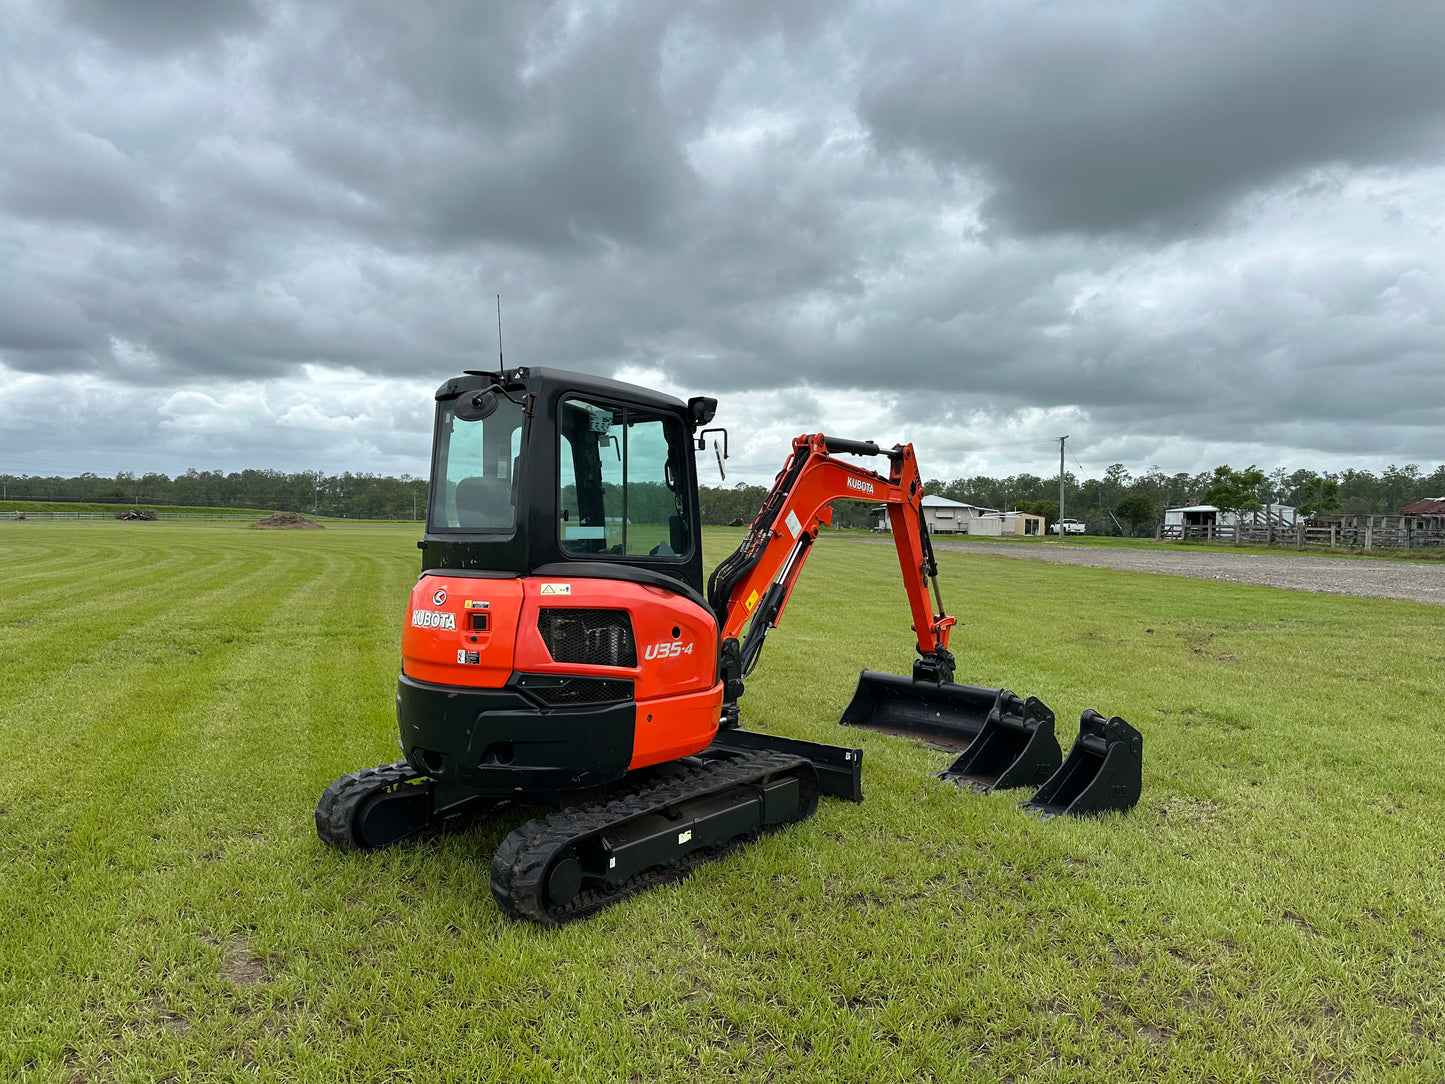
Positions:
{"x": 751, "y": 588}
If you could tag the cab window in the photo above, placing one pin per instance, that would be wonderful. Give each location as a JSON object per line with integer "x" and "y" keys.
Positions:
{"x": 473, "y": 485}
{"x": 619, "y": 482}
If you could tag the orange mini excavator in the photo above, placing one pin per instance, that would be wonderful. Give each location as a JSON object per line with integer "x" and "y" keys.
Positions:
{"x": 559, "y": 650}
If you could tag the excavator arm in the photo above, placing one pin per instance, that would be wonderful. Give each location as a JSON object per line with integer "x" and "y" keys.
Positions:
{"x": 751, "y": 588}
{"x": 1004, "y": 740}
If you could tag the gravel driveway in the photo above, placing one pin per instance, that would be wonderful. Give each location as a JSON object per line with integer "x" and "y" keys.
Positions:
{"x": 1409, "y": 581}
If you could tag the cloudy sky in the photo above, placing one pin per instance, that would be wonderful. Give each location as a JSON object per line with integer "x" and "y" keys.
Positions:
{"x": 255, "y": 233}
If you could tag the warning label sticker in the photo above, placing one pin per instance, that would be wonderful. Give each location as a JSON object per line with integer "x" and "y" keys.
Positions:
{"x": 556, "y": 589}
{"x": 793, "y": 524}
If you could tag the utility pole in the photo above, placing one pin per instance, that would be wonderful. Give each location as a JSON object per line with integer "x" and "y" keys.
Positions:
{"x": 1061, "y": 486}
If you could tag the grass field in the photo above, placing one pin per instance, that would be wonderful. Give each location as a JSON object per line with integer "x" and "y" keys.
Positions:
{"x": 8, "y": 508}
{"x": 175, "y": 698}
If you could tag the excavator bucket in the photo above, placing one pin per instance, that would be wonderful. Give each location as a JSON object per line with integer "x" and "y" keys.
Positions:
{"x": 1015, "y": 748}
{"x": 1102, "y": 773}
{"x": 938, "y": 712}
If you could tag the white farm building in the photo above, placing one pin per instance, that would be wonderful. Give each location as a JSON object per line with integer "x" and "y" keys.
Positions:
{"x": 1204, "y": 515}
{"x": 942, "y": 515}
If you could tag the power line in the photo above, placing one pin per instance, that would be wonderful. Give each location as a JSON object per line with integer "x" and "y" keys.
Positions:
{"x": 1004, "y": 444}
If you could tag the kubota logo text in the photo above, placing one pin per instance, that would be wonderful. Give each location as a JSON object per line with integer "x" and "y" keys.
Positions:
{"x": 861, "y": 486}
{"x": 433, "y": 619}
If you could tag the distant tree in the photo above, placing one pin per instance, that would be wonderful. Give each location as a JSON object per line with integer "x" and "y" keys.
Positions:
{"x": 1318, "y": 496}
{"x": 1135, "y": 509}
{"x": 1237, "y": 492}
{"x": 853, "y": 513}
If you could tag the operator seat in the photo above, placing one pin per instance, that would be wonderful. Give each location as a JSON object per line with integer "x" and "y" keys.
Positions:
{"x": 484, "y": 502}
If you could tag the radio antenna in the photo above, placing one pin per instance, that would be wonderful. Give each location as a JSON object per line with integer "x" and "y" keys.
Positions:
{"x": 500, "y": 364}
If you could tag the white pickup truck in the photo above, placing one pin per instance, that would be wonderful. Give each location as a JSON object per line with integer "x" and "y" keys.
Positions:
{"x": 1070, "y": 526}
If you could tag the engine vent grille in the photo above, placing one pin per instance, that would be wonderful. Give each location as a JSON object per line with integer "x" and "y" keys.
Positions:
{"x": 581, "y": 691}
{"x": 588, "y": 637}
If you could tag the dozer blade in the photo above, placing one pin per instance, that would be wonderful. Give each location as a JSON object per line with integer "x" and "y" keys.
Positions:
{"x": 941, "y": 713}
{"x": 1015, "y": 748}
{"x": 1103, "y": 772}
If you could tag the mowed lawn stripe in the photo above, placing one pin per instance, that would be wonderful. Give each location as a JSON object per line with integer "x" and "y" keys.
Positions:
{"x": 165, "y": 781}
{"x": 351, "y": 689}
{"x": 32, "y": 598}
{"x": 114, "y": 700}
{"x": 29, "y": 562}
{"x": 81, "y": 623}
{"x": 1270, "y": 910}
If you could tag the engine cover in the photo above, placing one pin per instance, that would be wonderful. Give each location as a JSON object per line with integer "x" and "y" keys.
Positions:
{"x": 583, "y": 655}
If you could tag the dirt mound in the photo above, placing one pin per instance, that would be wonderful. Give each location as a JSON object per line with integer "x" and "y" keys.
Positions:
{"x": 287, "y": 521}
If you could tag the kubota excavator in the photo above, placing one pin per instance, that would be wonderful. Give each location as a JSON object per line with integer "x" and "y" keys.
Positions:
{"x": 559, "y": 650}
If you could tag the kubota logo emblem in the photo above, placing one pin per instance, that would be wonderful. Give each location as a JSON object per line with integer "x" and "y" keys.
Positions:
{"x": 860, "y": 486}
{"x": 433, "y": 619}
{"x": 439, "y": 597}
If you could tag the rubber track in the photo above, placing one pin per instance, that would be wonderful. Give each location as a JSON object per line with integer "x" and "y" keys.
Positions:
{"x": 521, "y": 862}
{"x": 336, "y": 812}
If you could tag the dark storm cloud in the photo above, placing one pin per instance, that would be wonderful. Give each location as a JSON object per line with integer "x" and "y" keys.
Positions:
{"x": 1159, "y": 116}
{"x": 157, "y": 27}
{"x": 71, "y": 176}
{"x": 468, "y": 123}
{"x": 232, "y": 218}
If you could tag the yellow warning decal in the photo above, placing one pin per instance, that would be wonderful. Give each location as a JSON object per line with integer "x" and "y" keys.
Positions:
{"x": 752, "y": 601}
{"x": 556, "y": 589}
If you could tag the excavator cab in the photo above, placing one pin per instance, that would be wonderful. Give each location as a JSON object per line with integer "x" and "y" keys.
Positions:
{"x": 559, "y": 649}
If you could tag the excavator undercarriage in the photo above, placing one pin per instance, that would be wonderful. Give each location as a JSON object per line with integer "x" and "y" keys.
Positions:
{"x": 560, "y": 652}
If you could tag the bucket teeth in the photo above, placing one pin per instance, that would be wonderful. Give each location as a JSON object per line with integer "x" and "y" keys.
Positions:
{"x": 1015, "y": 748}
{"x": 1103, "y": 772}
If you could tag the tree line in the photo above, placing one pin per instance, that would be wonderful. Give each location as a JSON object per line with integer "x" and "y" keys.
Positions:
{"x": 1118, "y": 502}
{"x": 1123, "y": 503}
{"x": 355, "y": 496}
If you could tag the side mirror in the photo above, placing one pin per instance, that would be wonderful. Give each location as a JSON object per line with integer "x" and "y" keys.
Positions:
{"x": 702, "y": 440}
{"x": 475, "y": 406}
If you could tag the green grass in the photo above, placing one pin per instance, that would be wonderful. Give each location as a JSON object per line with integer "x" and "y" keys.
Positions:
{"x": 175, "y": 700}
{"x": 112, "y": 509}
